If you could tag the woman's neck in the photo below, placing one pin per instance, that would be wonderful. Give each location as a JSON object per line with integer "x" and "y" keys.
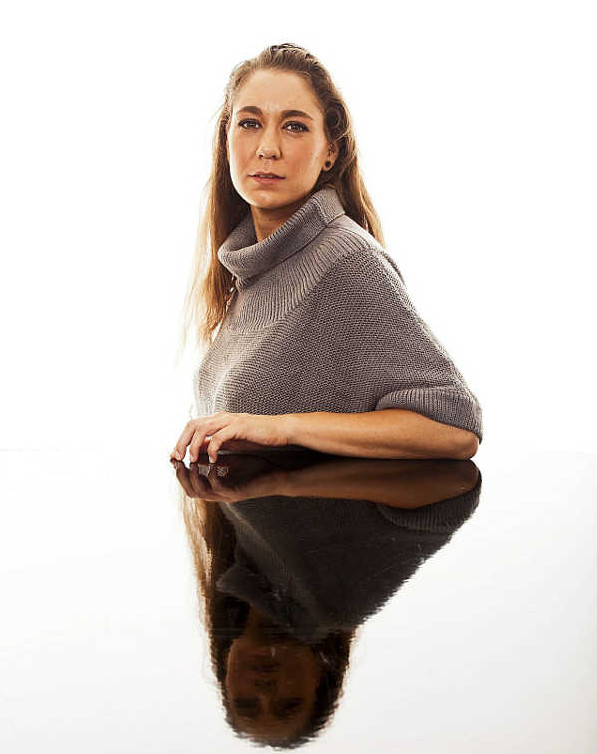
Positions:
{"x": 266, "y": 220}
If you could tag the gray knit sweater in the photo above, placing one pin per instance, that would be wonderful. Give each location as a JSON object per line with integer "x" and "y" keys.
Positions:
{"x": 321, "y": 321}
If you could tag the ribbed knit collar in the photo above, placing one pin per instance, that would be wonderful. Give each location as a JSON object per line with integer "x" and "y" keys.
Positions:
{"x": 246, "y": 257}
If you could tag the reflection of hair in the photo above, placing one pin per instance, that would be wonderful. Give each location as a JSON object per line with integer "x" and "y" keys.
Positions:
{"x": 211, "y": 285}
{"x": 213, "y": 540}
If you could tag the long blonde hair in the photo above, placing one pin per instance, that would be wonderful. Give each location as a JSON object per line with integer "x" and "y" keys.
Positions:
{"x": 211, "y": 285}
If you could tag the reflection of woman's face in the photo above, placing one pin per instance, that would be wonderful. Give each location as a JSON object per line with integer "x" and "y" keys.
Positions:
{"x": 271, "y": 685}
{"x": 293, "y": 146}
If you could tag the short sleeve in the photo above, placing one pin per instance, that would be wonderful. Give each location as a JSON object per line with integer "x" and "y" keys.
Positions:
{"x": 393, "y": 346}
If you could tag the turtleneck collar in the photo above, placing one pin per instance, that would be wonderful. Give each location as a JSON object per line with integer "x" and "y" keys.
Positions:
{"x": 246, "y": 257}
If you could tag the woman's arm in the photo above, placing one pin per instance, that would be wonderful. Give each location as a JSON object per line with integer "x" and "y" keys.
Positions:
{"x": 385, "y": 433}
{"x": 382, "y": 433}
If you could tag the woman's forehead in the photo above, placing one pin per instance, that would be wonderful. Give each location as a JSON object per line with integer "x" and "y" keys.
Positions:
{"x": 276, "y": 91}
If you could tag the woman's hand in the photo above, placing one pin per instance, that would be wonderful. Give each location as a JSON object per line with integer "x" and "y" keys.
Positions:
{"x": 220, "y": 483}
{"x": 230, "y": 431}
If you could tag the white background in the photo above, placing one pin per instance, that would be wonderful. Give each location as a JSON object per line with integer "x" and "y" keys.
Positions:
{"x": 476, "y": 126}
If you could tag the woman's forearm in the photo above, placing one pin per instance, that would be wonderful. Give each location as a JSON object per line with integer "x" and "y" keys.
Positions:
{"x": 387, "y": 433}
{"x": 412, "y": 485}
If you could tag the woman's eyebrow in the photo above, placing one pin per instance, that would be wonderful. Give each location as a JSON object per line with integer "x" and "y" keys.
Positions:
{"x": 283, "y": 114}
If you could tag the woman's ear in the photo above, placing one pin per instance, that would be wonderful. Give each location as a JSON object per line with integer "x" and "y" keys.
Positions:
{"x": 332, "y": 155}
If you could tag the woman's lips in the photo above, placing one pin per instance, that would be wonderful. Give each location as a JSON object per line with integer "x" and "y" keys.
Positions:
{"x": 266, "y": 181}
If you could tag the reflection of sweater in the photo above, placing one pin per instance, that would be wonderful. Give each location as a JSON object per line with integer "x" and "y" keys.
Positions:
{"x": 314, "y": 564}
{"x": 321, "y": 321}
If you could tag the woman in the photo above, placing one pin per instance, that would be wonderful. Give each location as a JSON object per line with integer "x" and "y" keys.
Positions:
{"x": 317, "y": 343}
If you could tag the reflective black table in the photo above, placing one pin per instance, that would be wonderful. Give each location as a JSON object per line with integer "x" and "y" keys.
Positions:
{"x": 292, "y": 597}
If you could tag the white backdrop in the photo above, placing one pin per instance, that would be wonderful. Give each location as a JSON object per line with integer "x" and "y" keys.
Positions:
{"x": 476, "y": 127}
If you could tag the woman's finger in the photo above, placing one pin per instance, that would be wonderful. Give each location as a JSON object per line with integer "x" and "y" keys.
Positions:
{"x": 218, "y": 439}
{"x": 180, "y": 449}
{"x": 199, "y": 480}
{"x": 198, "y": 440}
{"x": 182, "y": 474}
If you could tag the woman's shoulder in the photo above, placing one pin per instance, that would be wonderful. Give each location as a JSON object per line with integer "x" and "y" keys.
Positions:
{"x": 344, "y": 226}
{"x": 359, "y": 251}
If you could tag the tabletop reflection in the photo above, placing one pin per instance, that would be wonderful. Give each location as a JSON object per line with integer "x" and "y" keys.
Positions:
{"x": 293, "y": 551}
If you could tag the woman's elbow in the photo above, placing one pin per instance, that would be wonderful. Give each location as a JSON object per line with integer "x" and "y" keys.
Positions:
{"x": 467, "y": 446}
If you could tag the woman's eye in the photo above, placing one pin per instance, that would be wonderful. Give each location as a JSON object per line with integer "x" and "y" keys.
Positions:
{"x": 301, "y": 126}
{"x": 246, "y": 707}
{"x": 242, "y": 123}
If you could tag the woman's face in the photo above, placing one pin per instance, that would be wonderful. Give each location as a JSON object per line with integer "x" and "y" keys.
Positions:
{"x": 264, "y": 137}
{"x": 271, "y": 686}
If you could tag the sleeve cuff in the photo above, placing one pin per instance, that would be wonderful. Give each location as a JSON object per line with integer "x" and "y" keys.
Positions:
{"x": 442, "y": 404}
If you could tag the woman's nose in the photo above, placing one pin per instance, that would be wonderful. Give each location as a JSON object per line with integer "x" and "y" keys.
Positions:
{"x": 269, "y": 147}
{"x": 268, "y": 152}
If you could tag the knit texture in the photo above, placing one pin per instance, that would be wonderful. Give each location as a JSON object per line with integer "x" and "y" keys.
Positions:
{"x": 318, "y": 564}
{"x": 321, "y": 321}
